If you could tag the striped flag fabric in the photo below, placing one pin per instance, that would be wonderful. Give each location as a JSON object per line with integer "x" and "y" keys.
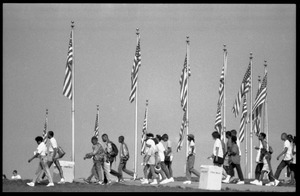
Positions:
{"x": 144, "y": 131}
{"x": 245, "y": 86}
{"x": 134, "y": 71}
{"x": 96, "y": 130}
{"x": 218, "y": 122}
{"x": 181, "y": 134}
{"x": 222, "y": 78}
{"x": 67, "y": 87}
{"x": 243, "y": 121}
{"x": 262, "y": 94}
{"x": 45, "y": 131}
{"x": 186, "y": 72}
{"x": 256, "y": 116}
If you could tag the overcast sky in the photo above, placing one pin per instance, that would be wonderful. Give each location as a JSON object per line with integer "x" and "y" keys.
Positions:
{"x": 35, "y": 44}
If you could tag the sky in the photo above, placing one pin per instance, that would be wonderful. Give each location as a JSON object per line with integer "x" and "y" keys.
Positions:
{"x": 35, "y": 45}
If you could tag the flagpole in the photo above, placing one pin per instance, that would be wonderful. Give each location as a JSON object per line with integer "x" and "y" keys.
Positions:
{"x": 224, "y": 113}
{"x": 187, "y": 86}
{"x": 246, "y": 153}
{"x": 266, "y": 110}
{"x": 251, "y": 131}
{"x": 73, "y": 98}
{"x": 135, "y": 131}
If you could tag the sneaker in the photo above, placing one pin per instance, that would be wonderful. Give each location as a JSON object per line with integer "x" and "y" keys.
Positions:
{"x": 165, "y": 181}
{"x": 187, "y": 182}
{"x": 62, "y": 181}
{"x": 276, "y": 182}
{"x": 101, "y": 183}
{"x": 226, "y": 179}
{"x": 270, "y": 184}
{"x": 86, "y": 181}
{"x": 145, "y": 181}
{"x": 240, "y": 182}
{"x": 254, "y": 182}
{"x": 121, "y": 180}
{"x": 134, "y": 176}
{"x": 30, "y": 183}
{"x": 50, "y": 184}
{"x": 171, "y": 179}
{"x": 259, "y": 183}
{"x": 109, "y": 182}
{"x": 154, "y": 182}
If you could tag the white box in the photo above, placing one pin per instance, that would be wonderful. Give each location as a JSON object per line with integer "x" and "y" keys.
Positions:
{"x": 68, "y": 170}
{"x": 210, "y": 177}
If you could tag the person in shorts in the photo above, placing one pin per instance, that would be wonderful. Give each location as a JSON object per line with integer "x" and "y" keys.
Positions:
{"x": 168, "y": 155}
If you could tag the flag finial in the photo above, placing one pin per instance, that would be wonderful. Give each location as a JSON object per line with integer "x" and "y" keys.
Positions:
{"x": 97, "y": 107}
{"x": 46, "y": 111}
{"x": 251, "y": 55}
{"x": 265, "y": 64}
{"x": 187, "y": 39}
{"x": 224, "y": 47}
{"x": 147, "y": 102}
{"x": 137, "y": 31}
{"x": 258, "y": 78}
{"x": 72, "y": 24}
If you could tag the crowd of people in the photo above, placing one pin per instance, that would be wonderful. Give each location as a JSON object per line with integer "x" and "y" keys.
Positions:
{"x": 158, "y": 156}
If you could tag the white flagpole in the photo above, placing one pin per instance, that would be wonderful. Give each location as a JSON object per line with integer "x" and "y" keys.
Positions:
{"x": 266, "y": 110}
{"x": 224, "y": 113}
{"x": 187, "y": 86}
{"x": 135, "y": 131}
{"x": 73, "y": 98}
{"x": 251, "y": 131}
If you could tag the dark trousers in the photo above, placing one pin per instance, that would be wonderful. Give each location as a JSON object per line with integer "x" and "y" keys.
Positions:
{"x": 112, "y": 172}
{"x": 122, "y": 167}
{"x": 280, "y": 167}
{"x": 258, "y": 169}
{"x": 238, "y": 169}
{"x": 169, "y": 167}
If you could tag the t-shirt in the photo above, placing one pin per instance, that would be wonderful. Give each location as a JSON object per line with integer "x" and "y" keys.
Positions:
{"x": 42, "y": 149}
{"x": 52, "y": 145}
{"x": 294, "y": 156}
{"x": 123, "y": 150}
{"x": 168, "y": 144}
{"x": 151, "y": 153}
{"x": 98, "y": 152}
{"x": 288, "y": 154}
{"x": 161, "y": 149}
{"x": 218, "y": 144}
{"x": 16, "y": 177}
{"x": 239, "y": 144}
{"x": 190, "y": 144}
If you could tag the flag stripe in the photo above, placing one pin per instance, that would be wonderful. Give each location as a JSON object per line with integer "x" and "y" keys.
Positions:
{"x": 262, "y": 94}
{"x": 45, "y": 131}
{"x": 183, "y": 85}
{"x": 218, "y": 122}
{"x": 181, "y": 133}
{"x": 243, "y": 120}
{"x": 96, "y": 130}
{"x": 144, "y": 131}
{"x": 67, "y": 87}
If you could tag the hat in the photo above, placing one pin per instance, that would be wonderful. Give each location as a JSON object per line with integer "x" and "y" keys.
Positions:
{"x": 191, "y": 136}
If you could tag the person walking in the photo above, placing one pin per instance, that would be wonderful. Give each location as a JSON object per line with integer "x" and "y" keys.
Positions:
{"x": 98, "y": 159}
{"x": 266, "y": 169}
{"x": 110, "y": 157}
{"x": 168, "y": 155}
{"x": 150, "y": 162}
{"x": 124, "y": 156}
{"x": 41, "y": 153}
{"x": 161, "y": 153}
{"x": 218, "y": 154}
{"x": 191, "y": 160}
{"x": 259, "y": 162}
{"x": 234, "y": 160}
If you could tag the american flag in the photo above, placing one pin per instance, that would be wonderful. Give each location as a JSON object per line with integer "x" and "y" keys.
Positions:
{"x": 45, "y": 127}
{"x": 96, "y": 130}
{"x": 186, "y": 72}
{"x": 243, "y": 120}
{"x": 144, "y": 131}
{"x": 218, "y": 122}
{"x": 245, "y": 86}
{"x": 134, "y": 71}
{"x": 67, "y": 87}
{"x": 181, "y": 135}
{"x": 262, "y": 94}
{"x": 256, "y": 116}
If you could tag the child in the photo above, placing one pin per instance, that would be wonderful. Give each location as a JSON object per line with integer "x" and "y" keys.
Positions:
{"x": 234, "y": 160}
{"x": 265, "y": 157}
{"x": 15, "y": 175}
{"x": 150, "y": 162}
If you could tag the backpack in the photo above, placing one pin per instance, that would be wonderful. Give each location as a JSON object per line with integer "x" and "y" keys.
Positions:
{"x": 114, "y": 152}
{"x": 270, "y": 150}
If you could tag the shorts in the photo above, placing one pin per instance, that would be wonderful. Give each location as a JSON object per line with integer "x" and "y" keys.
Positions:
{"x": 50, "y": 155}
{"x": 220, "y": 160}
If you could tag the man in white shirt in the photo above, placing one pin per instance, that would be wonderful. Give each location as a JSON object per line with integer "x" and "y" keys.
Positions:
{"x": 41, "y": 153}
{"x": 168, "y": 155}
{"x": 287, "y": 153}
{"x": 15, "y": 175}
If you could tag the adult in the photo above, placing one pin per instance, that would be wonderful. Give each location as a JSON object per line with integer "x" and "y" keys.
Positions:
{"x": 259, "y": 162}
{"x": 234, "y": 160}
{"x": 218, "y": 154}
{"x": 293, "y": 163}
{"x": 287, "y": 157}
{"x": 124, "y": 156}
{"x": 226, "y": 172}
{"x": 108, "y": 148}
{"x": 150, "y": 162}
{"x": 53, "y": 156}
{"x": 15, "y": 175}
{"x": 267, "y": 168}
{"x": 43, "y": 166}
{"x": 168, "y": 154}
{"x": 98, "y": 159}
{"x": 161, "y": 153}
{"x": 191, "y": 160}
